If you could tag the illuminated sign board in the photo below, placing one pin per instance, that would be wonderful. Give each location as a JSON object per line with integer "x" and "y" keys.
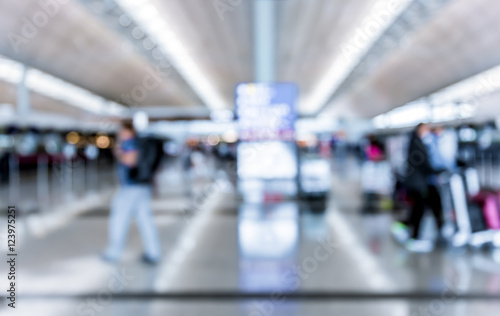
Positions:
{"x": 266, "y": 111}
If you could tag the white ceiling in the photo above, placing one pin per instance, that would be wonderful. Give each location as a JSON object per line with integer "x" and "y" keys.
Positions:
{"x": 8, "y": 95}
{"x": 77, "y": 46}
{"x": 461, "y": 41}
{"x": 310, "y": 37}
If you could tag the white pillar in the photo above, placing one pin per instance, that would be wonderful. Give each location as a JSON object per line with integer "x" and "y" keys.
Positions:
{"x": 23, "y": 96}
{"x": 264, "y": 26}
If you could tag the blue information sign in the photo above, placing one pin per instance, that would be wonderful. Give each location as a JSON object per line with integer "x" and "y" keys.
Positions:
{"x": 266, "y": 111}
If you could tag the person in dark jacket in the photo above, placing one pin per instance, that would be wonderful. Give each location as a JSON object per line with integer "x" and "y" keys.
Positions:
{"x": 419, "y": 170}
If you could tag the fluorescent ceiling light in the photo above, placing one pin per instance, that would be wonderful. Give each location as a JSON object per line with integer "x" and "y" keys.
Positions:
{"x": 471, "y": 89}
{"x": 352, "y": 51}
{"x": 458, "y": 101}
{"x": 57, "y": 89}
{"x": 422, "y": 112}
{"x": 146, "y": 15}
{"x": 10, "y": 71}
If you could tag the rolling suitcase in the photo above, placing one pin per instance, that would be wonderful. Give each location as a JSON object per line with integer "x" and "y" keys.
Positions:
{"x": 491, "y": 211}
{"x": 489, "y": 202}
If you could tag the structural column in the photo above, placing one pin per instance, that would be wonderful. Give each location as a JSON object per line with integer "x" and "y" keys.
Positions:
{"x": 23, "y": 96}
{"x": 264, "y": 32}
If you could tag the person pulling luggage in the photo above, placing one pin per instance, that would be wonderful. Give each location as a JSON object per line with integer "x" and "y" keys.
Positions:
{"x": 423, "y": 166}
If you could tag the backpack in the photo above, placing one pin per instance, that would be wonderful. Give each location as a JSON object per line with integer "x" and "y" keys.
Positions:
{"x": 150, "y": 155}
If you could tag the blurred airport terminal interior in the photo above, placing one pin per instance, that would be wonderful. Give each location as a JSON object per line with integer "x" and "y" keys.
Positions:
{"x": 249, "y": 157}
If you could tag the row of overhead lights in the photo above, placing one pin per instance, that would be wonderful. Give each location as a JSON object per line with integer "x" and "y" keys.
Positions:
{"x": 458, "y": 101}
{"x": 347, "y": 59}
{"x": 422, "y": 111}
{"x": 11, "y": 71}
{"x": 147, "y": 16}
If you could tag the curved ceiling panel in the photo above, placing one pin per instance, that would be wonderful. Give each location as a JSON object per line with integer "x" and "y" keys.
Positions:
{"x": 311, "y": 34}
{"x": 461, "y": 41}
{"x": 79, "y": 46}
{"x": 75, "y": 46}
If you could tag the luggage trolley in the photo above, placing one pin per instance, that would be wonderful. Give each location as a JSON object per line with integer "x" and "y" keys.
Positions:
{"x": 485, "y": 235}
{"x": 469, "y": 218}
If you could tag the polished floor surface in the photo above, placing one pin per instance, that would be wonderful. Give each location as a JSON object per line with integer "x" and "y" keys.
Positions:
{"x": 222, "y": 256}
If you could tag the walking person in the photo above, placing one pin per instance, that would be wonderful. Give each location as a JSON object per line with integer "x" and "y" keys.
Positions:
{"x": 421, "y": 183}
{"x": 133, "y": 200}
{"x": 439, "y": 164}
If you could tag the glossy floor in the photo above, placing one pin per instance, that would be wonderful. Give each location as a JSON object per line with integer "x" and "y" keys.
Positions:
{"x": 222, "y": 256}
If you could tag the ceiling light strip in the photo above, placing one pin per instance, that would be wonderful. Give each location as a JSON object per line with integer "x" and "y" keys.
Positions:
{"x": 458, "y": 101}
{"x": 58, "y": 89}
{"x": 416, "y": 15}
{"x": 146, "y": 15}
{"x": 345, "y": 62}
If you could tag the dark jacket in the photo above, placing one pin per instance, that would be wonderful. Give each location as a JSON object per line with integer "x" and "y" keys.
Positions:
{"x": 419, "y": 168}
{"x": 150, "y": 156}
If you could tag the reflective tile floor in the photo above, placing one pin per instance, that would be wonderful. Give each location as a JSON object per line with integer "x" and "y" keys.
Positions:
{"x": 222, "y": 256}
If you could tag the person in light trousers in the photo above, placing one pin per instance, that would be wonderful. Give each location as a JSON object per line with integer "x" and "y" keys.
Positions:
{"x": 133, "y": 200}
